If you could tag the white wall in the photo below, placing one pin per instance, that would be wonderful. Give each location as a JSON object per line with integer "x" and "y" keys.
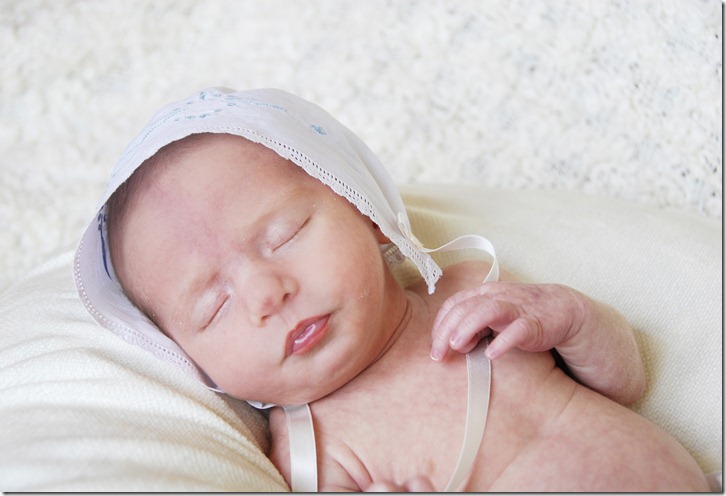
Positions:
{"x": 618, "y": 98}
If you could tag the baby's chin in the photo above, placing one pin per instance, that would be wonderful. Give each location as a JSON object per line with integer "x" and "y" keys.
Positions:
{"x": 310, "y": 395}
{"x": 295, "y": 396}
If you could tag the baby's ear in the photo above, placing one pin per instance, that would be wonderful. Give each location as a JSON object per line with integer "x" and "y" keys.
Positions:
{"x": 380, "y": 237}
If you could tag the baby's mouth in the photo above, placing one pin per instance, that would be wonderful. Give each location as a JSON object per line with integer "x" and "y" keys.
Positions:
{"x": 306, "y": 335}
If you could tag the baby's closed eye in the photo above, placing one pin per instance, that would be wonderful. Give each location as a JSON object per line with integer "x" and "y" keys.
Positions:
{"x": 211, "y": 307}
{"x": 282, "y": 233}
{"x": 217, "y": 312}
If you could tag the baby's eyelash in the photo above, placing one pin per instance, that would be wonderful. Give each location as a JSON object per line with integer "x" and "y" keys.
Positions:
{"x": 215, "y": 315}
{"x": 293, "y": 235}
{"x": 302, "y": 226}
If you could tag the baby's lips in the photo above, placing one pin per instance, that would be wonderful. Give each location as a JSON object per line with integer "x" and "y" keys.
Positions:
{"x": 306, "y": 334}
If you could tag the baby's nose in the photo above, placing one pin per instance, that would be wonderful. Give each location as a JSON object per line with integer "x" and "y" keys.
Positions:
{"x": 267, "y": 292}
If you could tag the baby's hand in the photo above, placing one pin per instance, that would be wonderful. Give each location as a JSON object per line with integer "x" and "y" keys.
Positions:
{"x": 418, "y": 484}
{"x": 595, "y": 341}
{"x": 531, "y": 317}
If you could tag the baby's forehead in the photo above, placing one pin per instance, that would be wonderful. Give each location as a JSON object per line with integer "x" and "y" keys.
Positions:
{"x": 201, "y": 147}
{"x": 226, "y": 164}
{"x": 204, "y": 147}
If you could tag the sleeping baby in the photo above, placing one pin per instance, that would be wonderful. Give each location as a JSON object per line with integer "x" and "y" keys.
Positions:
{"x": 253, "y": 240}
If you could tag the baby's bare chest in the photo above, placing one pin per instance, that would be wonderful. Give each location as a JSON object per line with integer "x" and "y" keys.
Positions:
{"x": 408, "y": 417}
{"x": 397, "y": 422}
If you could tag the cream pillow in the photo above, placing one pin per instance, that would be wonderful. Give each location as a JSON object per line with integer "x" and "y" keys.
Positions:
{"x": 82, "y": 410}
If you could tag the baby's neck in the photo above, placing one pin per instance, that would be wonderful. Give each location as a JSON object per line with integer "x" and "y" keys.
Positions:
{"x": 415, "y": 318}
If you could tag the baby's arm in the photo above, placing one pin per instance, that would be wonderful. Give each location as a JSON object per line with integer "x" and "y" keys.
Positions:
{"x": 594, "y": 340}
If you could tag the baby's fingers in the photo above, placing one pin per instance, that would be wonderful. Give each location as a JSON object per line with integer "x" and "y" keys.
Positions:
{"x": 441, "y": 334}
{"x": 524, "y": 333}
{"x": 455, "y": 311}
{"x": 464, "y": 324}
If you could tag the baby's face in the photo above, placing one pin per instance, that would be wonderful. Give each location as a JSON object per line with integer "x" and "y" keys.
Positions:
{"x": 271, "y": 282}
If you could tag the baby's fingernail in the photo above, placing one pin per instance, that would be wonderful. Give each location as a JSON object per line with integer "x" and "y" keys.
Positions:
{"x": 437, "y": 354}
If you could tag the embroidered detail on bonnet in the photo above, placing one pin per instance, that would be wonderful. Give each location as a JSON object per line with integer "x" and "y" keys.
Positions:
{"x": 177, "y": 111}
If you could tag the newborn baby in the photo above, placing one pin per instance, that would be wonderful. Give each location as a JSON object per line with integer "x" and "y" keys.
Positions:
{"x": 248, "y": 238}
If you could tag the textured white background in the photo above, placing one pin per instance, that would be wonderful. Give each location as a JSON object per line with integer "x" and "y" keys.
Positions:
{"x": 619, "y": 98}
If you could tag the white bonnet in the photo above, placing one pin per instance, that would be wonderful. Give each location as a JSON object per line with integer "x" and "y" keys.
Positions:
{"x": 291, "y": 126}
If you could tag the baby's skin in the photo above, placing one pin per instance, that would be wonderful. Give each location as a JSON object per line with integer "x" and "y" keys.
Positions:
{"x": 399, "y": 425}
{"x": 276, "y": 287}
